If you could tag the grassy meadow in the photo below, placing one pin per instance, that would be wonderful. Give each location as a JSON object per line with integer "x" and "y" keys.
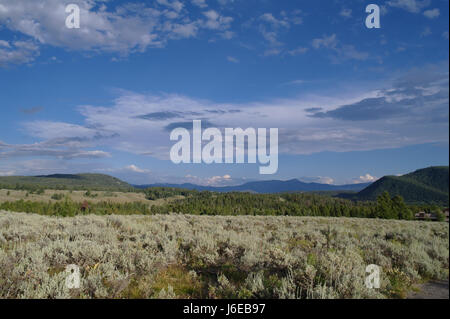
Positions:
{"x": 187, "y": 256}
{"x": 54, "y": 196}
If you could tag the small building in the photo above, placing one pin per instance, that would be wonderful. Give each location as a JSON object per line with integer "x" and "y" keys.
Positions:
{"x": 431, "y": 216}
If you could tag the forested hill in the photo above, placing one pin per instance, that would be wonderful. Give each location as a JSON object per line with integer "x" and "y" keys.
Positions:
{"x": 429, "y": 185}
{"x": 65, "y": 181}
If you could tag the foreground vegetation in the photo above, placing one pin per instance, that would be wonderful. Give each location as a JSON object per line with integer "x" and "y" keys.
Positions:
{"x": 186, "y": 256}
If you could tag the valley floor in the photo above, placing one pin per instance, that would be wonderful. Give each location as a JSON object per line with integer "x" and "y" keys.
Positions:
{"x": 186, "y": 256}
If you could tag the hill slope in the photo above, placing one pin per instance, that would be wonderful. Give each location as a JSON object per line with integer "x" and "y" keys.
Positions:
{"x": 429, "y": 185}
{"x": 65, "y": 181}
{"x": 267, "y": 187}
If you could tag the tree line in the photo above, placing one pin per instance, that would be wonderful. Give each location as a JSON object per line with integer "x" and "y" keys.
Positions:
{"x": 210, "y": 203}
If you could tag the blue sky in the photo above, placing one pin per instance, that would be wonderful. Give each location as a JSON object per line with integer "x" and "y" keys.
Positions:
{"x": 352, "y": 104}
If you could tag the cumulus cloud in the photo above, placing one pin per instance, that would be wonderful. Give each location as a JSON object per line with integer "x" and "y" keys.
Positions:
{"x": 121, "y": 29}
{"x": 17, "y": 52}
{"x": 367, "y": 178}
{"x": 431, "y": 14}
{"x": 215, "y": 21}
{"x": 215, "y": 181}
{"x": 271, "y": 26}
{"x": 136, "y": 169}
{"x": 269, "y": 18}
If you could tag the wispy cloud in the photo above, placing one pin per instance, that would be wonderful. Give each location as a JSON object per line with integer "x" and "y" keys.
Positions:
{"x": 298, "y": 50}
{"x": 413, "y": 6}
{"x": 413, "y": 109}
{"x": 346, "y": 13}
{"x": 232, "y": 59}
{"x": 200, "y": 3}
{"x": 340, "y": 51}
{"x": 431, "y": 14}
{"x": 317, "y": 179}
{"x": 426, "y": 32}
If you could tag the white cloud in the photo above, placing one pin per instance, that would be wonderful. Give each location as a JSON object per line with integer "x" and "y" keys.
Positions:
{"x": 232, "y": 59}
{"x": 7, "y": 172}
{"x": 342, "y": 52}
{"x": 271, "y": 37}
{"x": 184, "y": 30}
{"x": 17, "y": 52}
{"x": 346, "y": 13}
{"x": 413, "y": 109}
{"x": 125, "y": 29}
{"x": 200, "y": 3}
{"x": 367, "y": 178}
{"x": 271, "y": 27}
{"x": 413, "y": 6}
{"x": 136, "y": 169}
{"x": 318, "y": 179}
{"x": 215, "y": 21}
{"x": 129, "y": 28}
{"x": 295, "y": 82}
{"x": 65, "y": 130}
{"x": 269, "y": 18}
{"x": 297, "y": 51}
{"x": 55, "y": 149}
{"x": 426, "y": 32}
{"x": 329, "y": 42}
{"x": 431, "y": 14}
{"x": 175, "y": 4}
{"x": 216, "y": 181}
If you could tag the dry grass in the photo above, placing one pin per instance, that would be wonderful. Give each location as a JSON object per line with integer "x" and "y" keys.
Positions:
{"x": 80, "y": 196}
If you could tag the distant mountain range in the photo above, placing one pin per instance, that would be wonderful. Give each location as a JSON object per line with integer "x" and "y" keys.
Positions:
{"x": 266, "y": 187}
{"x": 428, "y": 185}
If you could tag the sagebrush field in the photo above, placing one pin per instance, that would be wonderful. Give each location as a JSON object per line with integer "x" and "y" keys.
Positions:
{"x": 185, "y": 256}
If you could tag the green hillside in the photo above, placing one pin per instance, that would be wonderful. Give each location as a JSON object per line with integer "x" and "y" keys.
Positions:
{"x": 429, "y": 185}
{"x": 65, "y": 181}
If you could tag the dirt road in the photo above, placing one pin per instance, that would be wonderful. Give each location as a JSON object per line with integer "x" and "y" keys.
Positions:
{"x": 431, "y": 290}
